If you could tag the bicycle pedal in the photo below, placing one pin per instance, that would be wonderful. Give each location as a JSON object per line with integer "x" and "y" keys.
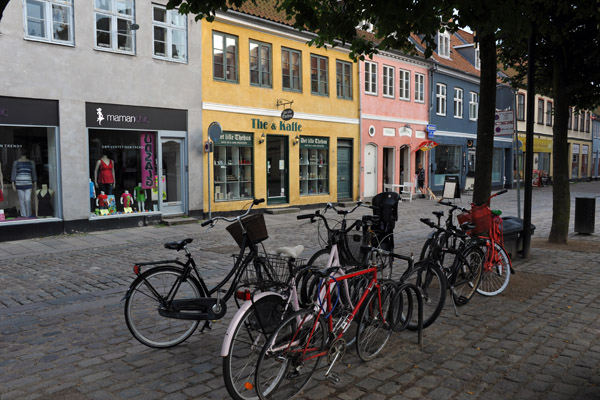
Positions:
{"x": 461, "y": 301}
{"x": 334, "y": 378}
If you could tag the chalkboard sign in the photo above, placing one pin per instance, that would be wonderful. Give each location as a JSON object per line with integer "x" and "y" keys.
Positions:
{"x": 451, "y": 187}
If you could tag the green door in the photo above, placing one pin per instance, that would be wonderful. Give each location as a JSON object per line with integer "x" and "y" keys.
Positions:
{"x": 277, "y": 169}
{"x": 344, "y": 171}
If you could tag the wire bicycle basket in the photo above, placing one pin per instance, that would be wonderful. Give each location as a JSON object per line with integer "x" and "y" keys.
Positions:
{"x": 268, "y": 270}
{"x": 255, "y": 227}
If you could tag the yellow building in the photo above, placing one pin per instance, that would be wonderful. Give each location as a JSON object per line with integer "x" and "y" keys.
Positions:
{"x": 257, "y": 73}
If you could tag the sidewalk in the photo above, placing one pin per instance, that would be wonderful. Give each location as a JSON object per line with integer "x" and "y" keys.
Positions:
{"x": 63, "y": 335}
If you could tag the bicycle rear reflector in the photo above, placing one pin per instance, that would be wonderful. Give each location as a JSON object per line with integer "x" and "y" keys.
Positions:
{"x": 136, "y": 269}
{"x": 243, "y": 295}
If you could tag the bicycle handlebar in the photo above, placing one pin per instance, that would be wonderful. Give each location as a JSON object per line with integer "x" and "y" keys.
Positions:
{"x": 453, "y": 206}
{"x": 214, "y": 220}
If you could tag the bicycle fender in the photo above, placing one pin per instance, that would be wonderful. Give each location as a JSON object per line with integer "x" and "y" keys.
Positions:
{"x": 235, "y": 321}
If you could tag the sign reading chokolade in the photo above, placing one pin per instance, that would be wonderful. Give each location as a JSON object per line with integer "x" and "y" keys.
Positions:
{"x": 101, "y": 115}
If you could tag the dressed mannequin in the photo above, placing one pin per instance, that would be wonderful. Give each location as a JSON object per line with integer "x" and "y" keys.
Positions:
{"x": 102, "y": 200}
{"x": 105, "y": 180}
{"x": 24, "y": 179}
{"x": 43, "y": 202}
{"x": 139, "y": 194}
{"x": 126, "y": 199}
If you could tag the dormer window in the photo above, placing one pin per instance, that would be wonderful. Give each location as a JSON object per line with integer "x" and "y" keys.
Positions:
{"x": 444, "y": 44}
{"x": 477, "y": 59}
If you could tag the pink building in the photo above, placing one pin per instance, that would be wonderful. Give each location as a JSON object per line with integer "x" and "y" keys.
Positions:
{"x": 393, "y": 120}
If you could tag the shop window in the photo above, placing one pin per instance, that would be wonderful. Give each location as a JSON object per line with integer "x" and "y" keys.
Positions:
{"x": 343, "y": 79}
{"x": 497, "y": 165}
{"x": 584, "y": 160}
{"x": 447, "y": 162}
{"x": 233, "y": 167}
{"x": 49, "y": 20}
{"x": 114, "y": 19}
{"x": 28, "y": 173}
{"x": 123, "y": 175}
{"x": 225, "y": 55}
{"x": 575, "y": 161}
{"x": 319, "y": 79}
{"x": 314, "y": 165}
{"x": 291, "y": 69}
{"x": 170, "y": 34}
{"x": 260, "y": 64}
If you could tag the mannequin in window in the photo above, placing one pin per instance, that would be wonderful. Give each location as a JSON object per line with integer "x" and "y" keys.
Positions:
{"x": 105, "y": 179}
{"x": 43, "y": 202}
{"x": 102, "y": 200}
{"x": 24, "y": 179}
{"x": 126, "y": 199}
{"x": 139, "y": 194}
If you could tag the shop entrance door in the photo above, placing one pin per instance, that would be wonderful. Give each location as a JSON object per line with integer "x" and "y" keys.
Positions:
{"x": 388, "y": 166}
{"x": 277, "y": 169}
{"x": 344, "y": 170}
{"x": 171, "y": 179}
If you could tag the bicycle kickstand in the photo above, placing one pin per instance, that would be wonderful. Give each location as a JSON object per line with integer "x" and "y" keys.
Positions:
{"x": 454, "y": 302}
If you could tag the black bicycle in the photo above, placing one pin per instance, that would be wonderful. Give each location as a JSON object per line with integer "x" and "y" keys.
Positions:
{"x": 166, "y": 303}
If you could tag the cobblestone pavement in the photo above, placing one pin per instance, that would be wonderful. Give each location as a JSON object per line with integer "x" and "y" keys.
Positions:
{"x": 63, "y": 335}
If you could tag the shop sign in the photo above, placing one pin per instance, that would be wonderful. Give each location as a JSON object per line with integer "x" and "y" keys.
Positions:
{"x": 21, "y": 111}
{"x": 312, "y": 142}
{"x": 148, "y": 167}
{"x": 584, "y": 149}
{"x": 235, "y": 139}
{"x": 287, "y": 114}
{"x": 575, "y": 149}
{"x": 282, "y": 126}
{"x": 100, "y": 115}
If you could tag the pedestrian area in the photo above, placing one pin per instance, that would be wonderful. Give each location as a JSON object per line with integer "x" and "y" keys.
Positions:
{"x": 63, "y": 335}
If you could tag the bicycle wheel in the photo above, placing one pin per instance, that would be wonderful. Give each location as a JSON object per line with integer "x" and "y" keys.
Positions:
{"x": 248, "y": 339}
{"x": 466, "y": 275}
{"x": 496, "y": 272}
{"x": 290, "y": 356}
{"x": 308, "y": 285}
{"x": 426, "y": 248}
{"x": 374, "y": 322}
{"x": 428, "y": 277}
{"x": 146, "y": 294}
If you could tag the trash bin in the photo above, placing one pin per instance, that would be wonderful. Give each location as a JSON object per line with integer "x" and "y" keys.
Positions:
{"x": 585, "y": 211}
{"x": 512, "y": 233}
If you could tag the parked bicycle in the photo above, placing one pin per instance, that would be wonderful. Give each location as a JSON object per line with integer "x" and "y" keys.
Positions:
{"x": 166, "y": 302}
{"x": 488, "y": 234}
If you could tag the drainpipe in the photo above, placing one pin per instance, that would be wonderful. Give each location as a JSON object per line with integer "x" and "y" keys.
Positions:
{"x": 360, "y": 151}
{"x": 433, "y": 68}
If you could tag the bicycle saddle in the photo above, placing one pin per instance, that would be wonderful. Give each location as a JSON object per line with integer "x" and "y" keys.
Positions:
{"x": 292, "y": 252}
{"x": 323, "y": 272}
{"x": 438, "y": 214}
{"x": 178, "y": 245}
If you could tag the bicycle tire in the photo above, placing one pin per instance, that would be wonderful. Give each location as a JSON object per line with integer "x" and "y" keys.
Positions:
{"x": 466, "y": 277}
{"x": 307, "y": 290}
{"x": 428, "y": 277}
{"x": 425, "y": 249}
{"x": 249, "y": 337}
{"x": 495, "y": 280}
{"x": 374, "y": 322}
{"x": 141, "y": 307}
{"x": 285, "y": 364}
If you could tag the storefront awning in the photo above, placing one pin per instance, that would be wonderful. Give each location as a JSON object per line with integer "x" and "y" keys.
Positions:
{"x": 426, "y": 145}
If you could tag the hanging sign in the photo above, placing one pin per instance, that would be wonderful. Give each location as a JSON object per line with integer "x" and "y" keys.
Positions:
{"x": 427, "y": 145}
{"x": 287, "y": 114}
{"x": 148, "y": 167}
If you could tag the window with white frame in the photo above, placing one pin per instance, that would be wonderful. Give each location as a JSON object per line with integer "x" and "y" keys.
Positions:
{"x": 549, "y": 113}
{"x": 582, "y": 127}
{"x": 477, "y": 59}
{"x": 444, "y": 44}
{"x": 540, "y": 119}
{"x": 370, "y": 78}
{"x": 521, "y": 107}
{"x": 440, "y": 95}
{"x": 419, "y": 88}
{"x": 260, "y": 64}
{"x": 473, "y": 106}
{"x": 404, "y": 92}
{"x": 225, "y": 56}
{"x": 114, "y": 19}
{"x": 49, "y": 21}
{"x": 576, "y": 120}
{"x": 458, "y": 103}
{"x": 388, "y": 81}
{"x": 169, "y": 34}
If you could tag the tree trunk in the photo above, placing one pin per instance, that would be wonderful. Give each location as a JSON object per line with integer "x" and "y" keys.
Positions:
{"x": 486, "y": 118}
{"x": 561, "y": 196}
